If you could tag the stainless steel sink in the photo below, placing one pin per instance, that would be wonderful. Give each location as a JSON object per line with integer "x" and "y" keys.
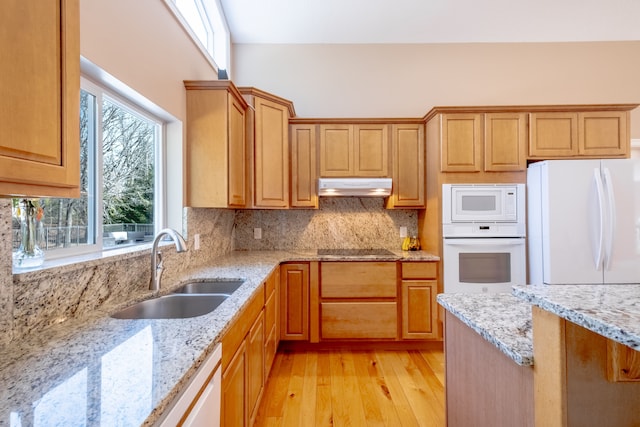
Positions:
{"x": 217, "y": 286}
{"x": 175, "y": 306}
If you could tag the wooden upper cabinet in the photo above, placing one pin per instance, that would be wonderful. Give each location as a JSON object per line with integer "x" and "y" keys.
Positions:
{"x": 553, "y": 134}
{"x": 408, "y": 153}
{"x": 371, "y": 150}
{"x": 336, "y": 150}
{"x": 604, "y": 133}
{"x": 304, "y": 186}
{"x": 580, "y": 134}
{"x": 505, "y": 142}
{"x": 268, "y": 132}
{"x": 216, "y": 145}
{"x": 40, "y": 98}
{"x": 354, "y": 150}
{"x": 461, "y": 143}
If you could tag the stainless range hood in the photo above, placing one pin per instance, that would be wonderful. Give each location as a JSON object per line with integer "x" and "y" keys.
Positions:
{"x": 357, "y": 187}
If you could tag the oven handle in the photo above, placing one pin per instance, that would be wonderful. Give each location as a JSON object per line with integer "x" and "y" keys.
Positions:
{"x": 484, "y": 242}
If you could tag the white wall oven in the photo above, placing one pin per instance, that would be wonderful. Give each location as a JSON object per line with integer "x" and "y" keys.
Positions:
{"x": 483, "y": 228}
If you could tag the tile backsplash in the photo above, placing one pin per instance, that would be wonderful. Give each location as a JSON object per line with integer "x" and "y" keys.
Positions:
{"x": 341, "y": 222}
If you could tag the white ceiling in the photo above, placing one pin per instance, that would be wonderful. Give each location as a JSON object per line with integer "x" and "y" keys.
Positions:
{"x": 431, "y": 21}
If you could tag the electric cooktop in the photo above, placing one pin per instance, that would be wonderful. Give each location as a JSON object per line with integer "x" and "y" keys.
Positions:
{"x": 355, "y": 252}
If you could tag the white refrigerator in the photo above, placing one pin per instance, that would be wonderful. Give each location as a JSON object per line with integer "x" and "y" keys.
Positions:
{"x": 582, "y": 219}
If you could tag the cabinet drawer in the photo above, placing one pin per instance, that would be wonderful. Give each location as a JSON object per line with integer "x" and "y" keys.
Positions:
{"x": 358, "y": 280}
{"x": 345, "y": 320}
{"x": 419, "y": 270}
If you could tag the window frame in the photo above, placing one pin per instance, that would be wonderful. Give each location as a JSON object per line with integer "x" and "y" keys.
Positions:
{"x": 96, "y": 183}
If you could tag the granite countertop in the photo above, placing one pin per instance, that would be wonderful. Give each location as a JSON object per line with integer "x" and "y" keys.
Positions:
{"x": 501, "y": 319}
{"x": 612, "y": 311}
{"x": 104, "y": 371}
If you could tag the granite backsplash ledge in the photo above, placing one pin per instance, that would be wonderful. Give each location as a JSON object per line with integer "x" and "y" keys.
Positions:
{"x": 32, "y": 301}
{"x": 340, "y": 222}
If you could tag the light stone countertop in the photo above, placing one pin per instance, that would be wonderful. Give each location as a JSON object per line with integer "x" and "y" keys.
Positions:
{"x": 102, "y": 371}
{"x": 501, "y": 319}
{"x": 612, "y": 311}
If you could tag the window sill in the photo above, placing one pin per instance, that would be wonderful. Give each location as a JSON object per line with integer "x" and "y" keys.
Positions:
{"x": 69, "y": 264}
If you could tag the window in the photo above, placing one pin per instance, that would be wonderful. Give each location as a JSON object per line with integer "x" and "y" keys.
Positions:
{"x": 205, "y": 23}
{"x": 120, "y": 203}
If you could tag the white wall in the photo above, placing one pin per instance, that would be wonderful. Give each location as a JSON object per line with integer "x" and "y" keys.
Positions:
{"x": 408, "y": 80}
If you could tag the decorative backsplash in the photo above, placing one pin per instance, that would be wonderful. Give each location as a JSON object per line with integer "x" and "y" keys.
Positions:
{"x": 340, "y": 222}
{"x": 33, "y": 301}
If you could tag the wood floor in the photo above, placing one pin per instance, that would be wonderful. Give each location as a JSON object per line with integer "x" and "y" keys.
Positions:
{"x": 354, "y": 388}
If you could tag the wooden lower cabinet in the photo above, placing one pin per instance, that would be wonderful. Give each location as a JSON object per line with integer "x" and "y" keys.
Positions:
{"x": 255, "y": 366}
{"x": 234, "y": 390}
{"x": 418, "y": 307}
{"x": 418, "y": 290}
{"x": 294, "y": 301}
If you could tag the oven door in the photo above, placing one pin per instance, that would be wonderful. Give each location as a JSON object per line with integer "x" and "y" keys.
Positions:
{"x": 483, "y": 265}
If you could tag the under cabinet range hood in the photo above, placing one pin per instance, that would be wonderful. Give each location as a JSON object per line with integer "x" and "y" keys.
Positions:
{"x": 358, "y": 187}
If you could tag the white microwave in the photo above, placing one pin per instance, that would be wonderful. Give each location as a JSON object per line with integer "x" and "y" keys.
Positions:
{"x": 489, "y": 204}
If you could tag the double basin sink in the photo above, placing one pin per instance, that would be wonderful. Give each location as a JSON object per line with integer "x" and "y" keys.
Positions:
{"x": 190, "y": 300}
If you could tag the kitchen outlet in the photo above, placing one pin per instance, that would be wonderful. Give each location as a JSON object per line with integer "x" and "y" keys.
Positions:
{"x": 403, "y": 231}
{"x": 257, "y": 233}
{"x": 196, "y": 242}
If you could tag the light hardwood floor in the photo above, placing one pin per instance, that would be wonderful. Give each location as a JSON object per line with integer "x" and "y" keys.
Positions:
{"x": 354, "y": 388}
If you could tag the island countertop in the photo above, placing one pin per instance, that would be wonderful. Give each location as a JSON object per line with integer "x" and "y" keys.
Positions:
{"x": 104, "y": 371}
{"x": 501, "y": 319}
{"x": 612, "y": 311}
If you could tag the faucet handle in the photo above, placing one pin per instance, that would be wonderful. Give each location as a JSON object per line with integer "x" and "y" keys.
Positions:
{"x": 159, "y": 265}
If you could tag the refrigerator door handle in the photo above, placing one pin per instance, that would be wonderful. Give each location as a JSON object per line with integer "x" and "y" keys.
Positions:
{"x": 599, "y": 255}
{"x": 611, "y": 223}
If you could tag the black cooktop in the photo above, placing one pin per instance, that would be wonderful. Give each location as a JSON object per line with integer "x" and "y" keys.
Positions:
{"x": 355, "y": 252}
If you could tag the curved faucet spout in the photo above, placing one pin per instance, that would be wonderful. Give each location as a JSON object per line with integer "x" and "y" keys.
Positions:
{"x": 156, "y": 256}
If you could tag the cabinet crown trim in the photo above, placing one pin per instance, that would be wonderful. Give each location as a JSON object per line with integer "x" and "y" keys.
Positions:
{"x": 529, "y": 109}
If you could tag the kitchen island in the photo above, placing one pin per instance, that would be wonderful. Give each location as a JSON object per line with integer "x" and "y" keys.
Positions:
{"x": 98, "y": 370}
{"x": 567, "y": 354}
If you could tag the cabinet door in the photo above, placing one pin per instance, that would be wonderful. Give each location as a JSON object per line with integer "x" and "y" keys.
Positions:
{"x": 371, "y": 150}
{"x": 336, "y": 150}
{"x": 304, "y": 185}
{"x": 40, "y": 98}
{"x": 418, "y": 309}
{"x": 603, "y": 134}
{"x": 553, "y": 135}
{"x": 255, "y": 366}
{"x": 237, "y": 154}
{"x": 407, "y": 143}
{"x": 234, "y": 390}
{"x": 461, "y": 139}
{"x": 271, "y": 332}
{"x": 505, "y": 142}
{"x": 294, "y": 302}
{"x": 271, "y": 154}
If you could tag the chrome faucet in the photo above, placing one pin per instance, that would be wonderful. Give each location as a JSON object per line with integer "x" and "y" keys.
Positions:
{"x": 156, "y": 255}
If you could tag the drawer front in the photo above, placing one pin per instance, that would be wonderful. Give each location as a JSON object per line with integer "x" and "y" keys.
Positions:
{"x": 270, "y": 312}
{"x": 358, "y": 280}
{"x": 419, "y": 270}
{"x": 349, "y": 320}
{"x": 270, "y": 284}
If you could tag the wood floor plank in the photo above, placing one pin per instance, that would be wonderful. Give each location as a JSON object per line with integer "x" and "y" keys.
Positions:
{"x": 354, "y": 388}
{"x": 324, "y": 410}
{"x": 402, "y": 405}
{"x": 370, "y": 393}
{"x": 291, "y": 416}
{"x": 419, "y": 395}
